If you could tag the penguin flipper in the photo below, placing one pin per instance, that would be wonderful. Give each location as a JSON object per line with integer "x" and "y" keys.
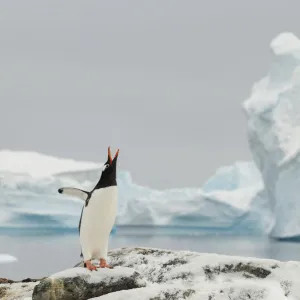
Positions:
{"x": 78, "y": 193}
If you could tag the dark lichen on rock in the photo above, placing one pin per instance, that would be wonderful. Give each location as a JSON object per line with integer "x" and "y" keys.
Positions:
{"x": 3, "y": 291}
{"x": 286, "y": 286}
{"x": 174, "y": 262}
{"x": 248, "y": 270}
{"x": 174, "y": 295}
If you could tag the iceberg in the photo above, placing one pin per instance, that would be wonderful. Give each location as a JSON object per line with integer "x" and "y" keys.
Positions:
{"x": 258, "y": 197}
{"x": 232, "y": 201}
{"x": 273, "y": 122}
{"x": 7, "y": 258}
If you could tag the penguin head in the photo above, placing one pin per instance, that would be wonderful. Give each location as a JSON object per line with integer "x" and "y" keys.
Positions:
{"x": 109, "y": 173}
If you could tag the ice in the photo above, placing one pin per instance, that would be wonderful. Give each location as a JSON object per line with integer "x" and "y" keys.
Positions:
{"x": 273, "y": 114}
{"x": 6, "y": 258}
{"x": 39, "y": 165}
{"x": 231, "y": 201}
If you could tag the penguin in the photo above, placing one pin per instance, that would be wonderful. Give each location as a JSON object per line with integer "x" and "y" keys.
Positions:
{"x": 98, "y": 214}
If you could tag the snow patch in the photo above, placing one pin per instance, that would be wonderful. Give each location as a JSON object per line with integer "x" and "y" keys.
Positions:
{"x": 101, "y": 275}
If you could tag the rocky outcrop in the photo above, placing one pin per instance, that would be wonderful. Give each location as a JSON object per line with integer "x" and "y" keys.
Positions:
{"x": 81, "y": 284}
{"x": 188, "y": 275}
{"x": 154, "y": 274}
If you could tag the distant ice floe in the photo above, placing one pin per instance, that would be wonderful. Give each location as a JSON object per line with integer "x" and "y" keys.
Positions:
{"x": 6, "y": 258}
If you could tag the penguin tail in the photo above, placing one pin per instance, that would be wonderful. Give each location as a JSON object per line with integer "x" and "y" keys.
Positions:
{"x": 73, "y": 192}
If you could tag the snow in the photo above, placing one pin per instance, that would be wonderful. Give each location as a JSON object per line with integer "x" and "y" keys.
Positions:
{"x": 285, "y": 43}
{"x": 6, "y": 258}
{"x": 238, "y": 290}
{"x": 273, "y": 121}
{"x": 165, "y": 274}
{"x": 18, "y": 291}
{"x": 207, "y": 276}
{"x": 229, "y": 202}
{"x": 102, "y": 275}
{"x": 39, "y": 165}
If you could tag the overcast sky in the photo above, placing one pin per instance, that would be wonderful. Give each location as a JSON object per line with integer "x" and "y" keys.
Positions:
{"x": 162, "y": 80}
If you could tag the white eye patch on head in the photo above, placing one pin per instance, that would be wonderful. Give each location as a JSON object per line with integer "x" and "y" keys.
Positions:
{"x": 104, "y": 167}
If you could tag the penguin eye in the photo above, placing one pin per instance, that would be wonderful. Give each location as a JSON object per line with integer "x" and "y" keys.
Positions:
{"x": 106, "y": 166}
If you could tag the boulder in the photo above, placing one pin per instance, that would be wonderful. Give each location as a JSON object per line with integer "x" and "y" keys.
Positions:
{"x": 81, "y": 284}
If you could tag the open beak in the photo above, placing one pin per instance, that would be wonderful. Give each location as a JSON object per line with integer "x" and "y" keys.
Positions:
{"x": 109, "y": 155}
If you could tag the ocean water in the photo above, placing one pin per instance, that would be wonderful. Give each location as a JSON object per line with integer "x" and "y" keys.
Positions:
{"x": 42, "y": 255}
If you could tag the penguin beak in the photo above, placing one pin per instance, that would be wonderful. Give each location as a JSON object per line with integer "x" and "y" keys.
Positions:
{"x": 116, "y": 155}
{"x": 109, "y": 155}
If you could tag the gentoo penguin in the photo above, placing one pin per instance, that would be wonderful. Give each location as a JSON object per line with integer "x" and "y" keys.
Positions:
{"x": 98, "y": 214}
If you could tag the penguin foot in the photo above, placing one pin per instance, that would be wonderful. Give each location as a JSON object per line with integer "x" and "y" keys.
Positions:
{"x": 88, "y": 264}
{"x": 103, "y": 264}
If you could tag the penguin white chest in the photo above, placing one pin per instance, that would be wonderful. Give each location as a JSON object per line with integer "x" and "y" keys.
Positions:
{"x": 97, "y": 221}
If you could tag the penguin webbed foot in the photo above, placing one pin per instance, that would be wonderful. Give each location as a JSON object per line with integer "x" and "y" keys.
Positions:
{"x": 103, "y": 264}
{"x": 88, "y": 264}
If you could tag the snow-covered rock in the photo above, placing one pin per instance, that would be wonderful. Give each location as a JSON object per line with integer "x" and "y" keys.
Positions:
{"x": 16, "y": 290}
{"x": 80, "y": 283}
{"x": 148, "y": 274}
{"x": 273, "y": 113}
{"x": 190, "y": 275}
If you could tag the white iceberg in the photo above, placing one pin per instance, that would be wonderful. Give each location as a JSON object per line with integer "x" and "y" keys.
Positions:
{"x": 273, "y": 113}
{"x": 259, "y": 197}
{"x": 231, "y": 201}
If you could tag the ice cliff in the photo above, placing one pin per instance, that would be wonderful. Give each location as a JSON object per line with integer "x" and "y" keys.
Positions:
{"x": 273, "y": 114}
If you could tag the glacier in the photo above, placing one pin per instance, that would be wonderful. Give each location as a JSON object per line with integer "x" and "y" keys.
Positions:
{"x": 273, "y": 128}
{"x": 230, "y": 202}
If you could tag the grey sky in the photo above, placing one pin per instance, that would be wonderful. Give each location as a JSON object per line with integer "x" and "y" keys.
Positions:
{"x": 162, "y": 80}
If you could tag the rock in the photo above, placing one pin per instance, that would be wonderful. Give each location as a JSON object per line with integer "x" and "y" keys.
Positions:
{"x": 3, "y": 291}
{"x": 4, "y": 280}
{"x": 187, "y": 275}
{"x": 152, "y": 293}
{"x": 81, "y": 284}
{"x": 154, "y": 274}
{"x": 16, "y": 290}
{"x": 31, "y": 280}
